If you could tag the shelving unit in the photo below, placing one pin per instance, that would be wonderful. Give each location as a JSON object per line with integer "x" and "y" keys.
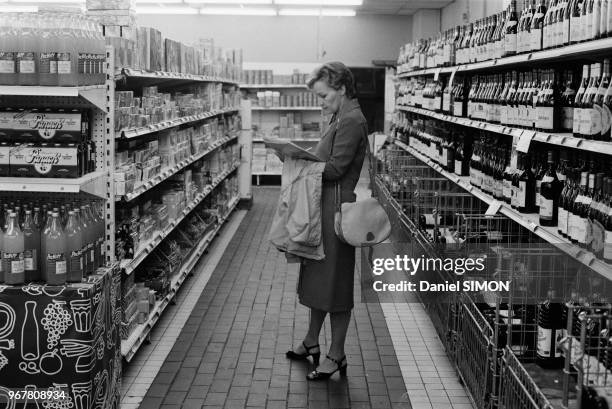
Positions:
{"x": 559, "y": 139}
{"x": 529, "y": 221}
{"x": 130, "y": 346}
{"x": 165, "y": 174}
{"x": 148, "y": 129}
{"x": 129, "y": 265}
{"x": 163, "y": 76}
{"x": 273, "y": 86}
{"x": 92, "y": 183}
{"x": 287, "y": 109}
{"x": 585, "y": 49}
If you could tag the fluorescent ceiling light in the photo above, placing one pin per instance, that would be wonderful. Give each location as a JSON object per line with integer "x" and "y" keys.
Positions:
{"x": 299, "y": 12}
{"x": 229, "y": 1}
{"x": 48, "y": 1}
{"x": 318, "y": 12}
{"x": 18, "y": 9}
{"x": 159, "y": 2}
{"x": 338, "y": 12}
{"x": 239, "y": 11}
{"x": 320, "y": 2}
{"x": 166, "y": 10}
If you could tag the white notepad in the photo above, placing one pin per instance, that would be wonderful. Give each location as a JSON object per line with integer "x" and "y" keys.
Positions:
{"x": 290, "y": 149}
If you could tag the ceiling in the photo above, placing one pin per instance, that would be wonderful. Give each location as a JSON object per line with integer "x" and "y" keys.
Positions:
{"x": 399, "y": 7}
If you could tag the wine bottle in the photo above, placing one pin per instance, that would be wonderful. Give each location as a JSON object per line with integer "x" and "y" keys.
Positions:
{"x": 526, "y": 187}
{"x": 511, "y": 31}
{"x": 576, "y": 21}
{"x": 607, "y": 221}
{"x": 550, "y": 190}
{"x": 562, "y": 175}
{"x": 580, "y": 94}
{"x": 537, "y": 25}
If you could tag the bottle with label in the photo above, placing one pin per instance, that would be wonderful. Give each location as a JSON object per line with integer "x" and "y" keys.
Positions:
{"x": 26, "y": 56}
{"x": 562, "y": 175}
{"x": 538, "y": 168}
{"x": 55, "y": 252}
{"x": 88, "y": 240}
{"x": 537, "y": 25}
{"x": 576, "y": 21}
{"x": 577, "y": 220}
{"x": 550, "y": 190}
{"x": 548, "y": 33}
{"x": 67, "y": 53}
{"x": 9, "y": 38}
{"x": 525, "y": 201}
{"x": 31, "y": 240}
{"x": 74, "y": 247}
{"x": 594, "y": 217}
{"x": 12, "y": 254}
{"x": 511, "y": 30}
{"x": 578, "y": 102}
{"x": 591, "y": 117}
{"x": 607, "y": 222}
{"x": 608, "y": 20}
{"x": 47, "y": 58}
{"x": 570, "y": 201}
{"x": 550, "y": 331}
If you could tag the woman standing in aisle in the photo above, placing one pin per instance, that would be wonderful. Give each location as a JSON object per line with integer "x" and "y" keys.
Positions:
{"x": 326, "y": 286}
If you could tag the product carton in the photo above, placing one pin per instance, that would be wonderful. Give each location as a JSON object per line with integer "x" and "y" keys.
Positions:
{"x": 51, "y": 161}
{"x": 4, "y": 159}
{"x": 173, "y": 55}
{"x": 43, "y": 126}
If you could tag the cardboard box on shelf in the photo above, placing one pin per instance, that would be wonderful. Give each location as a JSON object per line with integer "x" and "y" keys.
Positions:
{"x": 110, "y": 5}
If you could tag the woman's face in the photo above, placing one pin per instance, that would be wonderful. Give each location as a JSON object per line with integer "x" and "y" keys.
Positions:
{"x": 330, "y": 98}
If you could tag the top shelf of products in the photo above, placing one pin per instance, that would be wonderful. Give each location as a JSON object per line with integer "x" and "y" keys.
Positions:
{"x": 94, "y": 94}
{"x": 586, "y": 49}
{"x": 169, "y": 76}
{"x": 273, "y": 86}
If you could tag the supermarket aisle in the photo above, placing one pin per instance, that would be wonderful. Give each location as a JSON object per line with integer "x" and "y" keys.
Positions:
{"x": 230, "y": 353}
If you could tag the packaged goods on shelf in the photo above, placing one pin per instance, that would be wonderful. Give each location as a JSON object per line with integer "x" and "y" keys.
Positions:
{"x": 270, "y": 99}
{"x": 264, "y": 77}
{"x": 69, "y": 51}
{"x": 34, "y": 125}
{"x": 150, "y": 47}
{"x": 110, "y": 5}
{"x": 155, "y": 107}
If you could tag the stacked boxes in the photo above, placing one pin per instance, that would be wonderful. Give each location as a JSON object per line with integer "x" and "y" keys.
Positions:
{"x": 269, "y": 99}
{"x": 264, "y": 77}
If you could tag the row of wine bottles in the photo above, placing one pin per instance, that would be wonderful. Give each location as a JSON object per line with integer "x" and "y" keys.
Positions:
{"x": 543, "y": 99}
{"x": 542, "y": 24}
{"x": 568, "y": 189}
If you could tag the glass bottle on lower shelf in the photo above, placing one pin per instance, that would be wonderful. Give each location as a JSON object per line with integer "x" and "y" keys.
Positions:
{"x": 550, "y": 190}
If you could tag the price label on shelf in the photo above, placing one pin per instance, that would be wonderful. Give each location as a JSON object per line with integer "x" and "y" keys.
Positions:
{"x": 524, "y": 141}
{"x": 493, "y": 208}
{"x": 437, "y": 74}
{"x": 452, "y": 76}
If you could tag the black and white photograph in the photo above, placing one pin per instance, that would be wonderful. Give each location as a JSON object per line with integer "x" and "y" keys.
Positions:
{"x": 305, "y": 204}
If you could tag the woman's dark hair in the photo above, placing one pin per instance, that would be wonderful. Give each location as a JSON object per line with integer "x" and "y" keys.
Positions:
{"x": 335, "y": 74}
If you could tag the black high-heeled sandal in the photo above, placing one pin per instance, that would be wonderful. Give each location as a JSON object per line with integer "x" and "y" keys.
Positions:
{"x": 316, "y": 356}
{"x": 318, "y": 376}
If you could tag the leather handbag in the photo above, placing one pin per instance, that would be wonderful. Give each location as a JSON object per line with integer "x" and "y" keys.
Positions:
{"x": 361, "y": 224}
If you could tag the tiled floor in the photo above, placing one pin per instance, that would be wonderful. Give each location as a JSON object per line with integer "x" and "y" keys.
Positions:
{"x": 230, "y": 351}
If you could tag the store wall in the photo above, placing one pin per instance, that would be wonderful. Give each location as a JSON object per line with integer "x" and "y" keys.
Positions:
{"x": 425, "y": 23}
{"x": 464, "y": 11}
{"x": 354, "y": 40}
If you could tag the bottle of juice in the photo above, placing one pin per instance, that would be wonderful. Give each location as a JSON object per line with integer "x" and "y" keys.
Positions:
{"x": 88, "y": 239}
{"x": 67, "y": 55}
{"x": 43, "y": 245}
{"x": 47, "y": 58}
{"x": 82, "y": 225}
{"x": 74, "y": 239}
{"x": 98, "y": 236}
{"x": 12, "y": 255}
{"x": 101, "y": 233}
{"x": 27, "y": 54}
{"x": 31, "y": 240}
{"x": 8, "y": 48}
{"x": 55, "y": 252}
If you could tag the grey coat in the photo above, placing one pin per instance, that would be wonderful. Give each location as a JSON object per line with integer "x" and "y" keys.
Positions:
{"x": 328, "y": 284}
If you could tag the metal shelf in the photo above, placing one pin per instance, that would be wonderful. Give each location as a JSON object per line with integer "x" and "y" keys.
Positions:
{"x": 529, "y": 221}
{"x": 267, "y": 173}
{"x": 172, "y": 76}
{"x": 585, "y": 49}
{"x": 94, "y": 94}
{"x": 291, "y": 140}
{"x": 129, "y": 265}
{"x": 286, "y": 109}
{"x": 160, "y": 126}
{"x": 89, "y": 183}
{"x": 559, "y": 139}
{"x": 275, "y": 86}
{"x": 171, "y": 171}
{"x": 130, "y": 346}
